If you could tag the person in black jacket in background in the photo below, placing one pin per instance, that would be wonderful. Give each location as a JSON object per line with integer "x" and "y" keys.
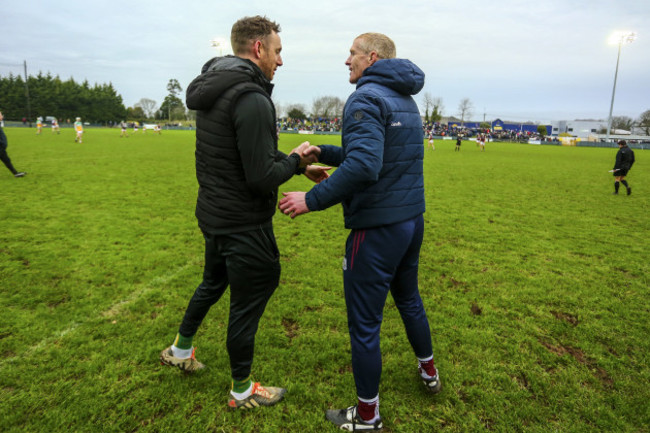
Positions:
{"x": 4, "y": 157}
{"x": 624, "y": 162}
{"x": 239, "y": 169}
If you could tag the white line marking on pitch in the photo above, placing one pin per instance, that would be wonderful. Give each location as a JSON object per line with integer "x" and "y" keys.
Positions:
{"x": 110, "y": 312}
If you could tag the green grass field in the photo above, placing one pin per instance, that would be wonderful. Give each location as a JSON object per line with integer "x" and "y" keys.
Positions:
{"x": 534, "y": 276}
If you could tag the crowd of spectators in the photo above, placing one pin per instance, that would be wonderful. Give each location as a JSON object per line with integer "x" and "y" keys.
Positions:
{"x": 442, "y": 130}
{"x": 522, "y": 136}
{"x": 436, "y": 129}
{"x": 318, "y": 124}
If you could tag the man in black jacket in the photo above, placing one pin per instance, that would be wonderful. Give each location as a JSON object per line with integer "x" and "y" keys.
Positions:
{"x": 239, "y": 169}
{"x": 624, "y": 162}
{"x": 4, "y": 157}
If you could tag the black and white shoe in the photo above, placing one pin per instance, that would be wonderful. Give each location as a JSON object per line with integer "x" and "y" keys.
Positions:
{"x": 20, "y": 174}
{"x": 433, "y": 385}
{"x": 349, "y": 419}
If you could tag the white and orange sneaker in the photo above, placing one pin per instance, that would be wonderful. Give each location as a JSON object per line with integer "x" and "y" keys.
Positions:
{"x": 260, "y": 396}
{"x": 188, "y": 365}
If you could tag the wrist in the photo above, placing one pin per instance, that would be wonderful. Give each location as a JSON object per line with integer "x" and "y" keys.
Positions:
{"x": 298, "y": 169}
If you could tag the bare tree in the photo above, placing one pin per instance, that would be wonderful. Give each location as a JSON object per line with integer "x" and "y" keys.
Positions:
{"x": 622, "y": 122}
{"x": 465, "y": 110}
{"x": 427, "y": 100}
{"x": 148, "y": 106}
{"x": 438, "y": 107}
{"x": 327, "y": 106}
{"x": 435, "y": 105}
{"x": 644, "y": 122}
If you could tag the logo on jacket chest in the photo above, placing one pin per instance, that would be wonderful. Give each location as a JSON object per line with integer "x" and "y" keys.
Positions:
{"x": 395, "y": 124}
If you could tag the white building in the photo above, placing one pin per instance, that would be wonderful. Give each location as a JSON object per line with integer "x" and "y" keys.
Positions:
{"x": 595, "y": 131}
{"x": 578, "y": 128}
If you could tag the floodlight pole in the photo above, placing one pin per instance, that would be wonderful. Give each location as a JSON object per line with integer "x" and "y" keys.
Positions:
{"x": 611, "y": 106}
{"x": 622, "y": 38}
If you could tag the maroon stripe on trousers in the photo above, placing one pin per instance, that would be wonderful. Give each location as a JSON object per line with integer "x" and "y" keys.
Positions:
{"x": 359, "y": 236}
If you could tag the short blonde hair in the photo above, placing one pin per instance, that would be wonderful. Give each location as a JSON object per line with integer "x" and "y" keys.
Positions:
{"x": 249, "y": 29}
{"x": 379, "y": 43}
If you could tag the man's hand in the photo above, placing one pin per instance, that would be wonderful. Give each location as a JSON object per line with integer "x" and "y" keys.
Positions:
{"x": 312, "y": 151}
{"x": 306, "y": 155}
{"x": 317, "y": 173}
{"x": 293, "y": 204}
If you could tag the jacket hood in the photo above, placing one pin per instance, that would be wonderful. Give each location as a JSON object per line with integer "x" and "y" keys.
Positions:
{"x": 401, "y": 75}
{"x": 220, "y": 74}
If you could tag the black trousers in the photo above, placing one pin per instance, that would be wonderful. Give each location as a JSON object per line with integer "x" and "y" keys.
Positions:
{"x": 248, "y": 262}
{"x": 5, "y": 158}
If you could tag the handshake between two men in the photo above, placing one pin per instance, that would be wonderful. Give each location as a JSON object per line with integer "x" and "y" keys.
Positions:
{"x": 293, "y": 203}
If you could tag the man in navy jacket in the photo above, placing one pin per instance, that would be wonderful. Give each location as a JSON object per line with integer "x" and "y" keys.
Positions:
{"x": 379, "y": 182}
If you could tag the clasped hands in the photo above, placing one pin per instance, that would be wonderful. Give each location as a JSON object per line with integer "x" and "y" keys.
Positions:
{"x": 308, "y": 154}
{"x": 293, "y": 203}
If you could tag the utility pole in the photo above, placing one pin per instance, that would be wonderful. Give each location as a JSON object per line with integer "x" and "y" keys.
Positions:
{"x": 29, "y": 110}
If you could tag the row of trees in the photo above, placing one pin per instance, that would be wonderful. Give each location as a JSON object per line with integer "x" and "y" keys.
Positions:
{"x": 46, "y": 95}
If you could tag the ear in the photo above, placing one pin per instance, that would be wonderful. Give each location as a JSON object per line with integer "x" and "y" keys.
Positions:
{"x": 373, "y": 57}
{"x": 257, "y": 49}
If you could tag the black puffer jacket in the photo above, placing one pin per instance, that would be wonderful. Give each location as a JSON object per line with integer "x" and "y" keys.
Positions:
{"x": 624, "y": 159}
{"x": 238, "y": 165}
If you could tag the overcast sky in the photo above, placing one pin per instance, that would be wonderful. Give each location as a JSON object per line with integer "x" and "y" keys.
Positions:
{"x": 521, "y": 60}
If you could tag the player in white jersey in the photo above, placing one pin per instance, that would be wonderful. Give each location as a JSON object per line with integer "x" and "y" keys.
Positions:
{"x": 79, "y": 128}
{"x": 124, "y": 133}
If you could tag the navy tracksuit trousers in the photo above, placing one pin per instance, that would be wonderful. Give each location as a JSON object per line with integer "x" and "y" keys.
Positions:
{"x": 379, "y": 260}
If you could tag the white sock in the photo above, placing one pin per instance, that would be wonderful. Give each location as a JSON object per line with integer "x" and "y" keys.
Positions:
{"x": 242, "y": 395}
{"x": 181, "y": 353}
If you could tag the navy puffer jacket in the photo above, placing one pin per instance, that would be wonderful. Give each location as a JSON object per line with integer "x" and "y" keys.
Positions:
{"x": 379, "y": 180}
